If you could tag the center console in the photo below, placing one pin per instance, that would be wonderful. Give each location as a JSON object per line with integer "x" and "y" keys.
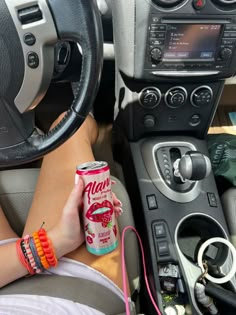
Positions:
{"x": 172, "y": 57}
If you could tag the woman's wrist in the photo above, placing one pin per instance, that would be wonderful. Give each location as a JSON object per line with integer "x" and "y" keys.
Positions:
{"x": 59, "y": 243}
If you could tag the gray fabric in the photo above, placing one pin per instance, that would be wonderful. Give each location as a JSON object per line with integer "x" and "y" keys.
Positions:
{"x": 131, "y": 246}
{"x": 229, "y": 205}
{"x": 16, "y": 193}
{"x": 73, "y": 289}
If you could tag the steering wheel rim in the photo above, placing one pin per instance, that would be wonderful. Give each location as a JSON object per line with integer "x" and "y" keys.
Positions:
{"x": 78, "y": 21}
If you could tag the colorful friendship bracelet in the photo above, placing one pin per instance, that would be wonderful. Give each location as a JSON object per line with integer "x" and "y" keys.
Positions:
{"x": 36, "y": 252}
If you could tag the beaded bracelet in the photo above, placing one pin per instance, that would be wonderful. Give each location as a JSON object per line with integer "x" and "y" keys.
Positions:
{"x": 21, "y": 252}
{"x": 40, "y": 251}
{"x": 36, "y": 252}
{"x": 47, "y": 248}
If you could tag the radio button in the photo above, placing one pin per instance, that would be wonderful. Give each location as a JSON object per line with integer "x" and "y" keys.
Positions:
{"x": 229, "y": 34}
{"x": 155, "y": 54}
{"x": 158, "y": 27}
{"x": 230, "y": 27}
{"x": 229, "y": 41}
{"x": 226, "y": 53}
{"x": 157, "y": 35}
{"x": 156, "y": 42}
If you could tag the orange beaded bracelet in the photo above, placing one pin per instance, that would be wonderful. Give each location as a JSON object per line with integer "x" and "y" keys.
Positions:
{"x": 47, "y": 248}
{"x": 40, "y": 251}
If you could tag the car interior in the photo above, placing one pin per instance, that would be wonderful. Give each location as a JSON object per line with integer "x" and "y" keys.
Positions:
{"x": 159, "y": 77}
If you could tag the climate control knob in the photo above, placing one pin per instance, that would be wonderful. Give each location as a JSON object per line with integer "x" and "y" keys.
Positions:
{"x": 201, "y": 96}
{"x": 176, "y": 97}
{"x": 150, "y": 97}
{"x": 155, "y": 55}
{"x": 225, "y": 53}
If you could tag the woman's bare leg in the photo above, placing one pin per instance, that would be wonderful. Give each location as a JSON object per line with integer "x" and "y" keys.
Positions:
{"x": 55, "y": 182}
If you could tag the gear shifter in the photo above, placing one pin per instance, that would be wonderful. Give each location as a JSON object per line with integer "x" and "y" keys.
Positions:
{"x": 192, "y": 166}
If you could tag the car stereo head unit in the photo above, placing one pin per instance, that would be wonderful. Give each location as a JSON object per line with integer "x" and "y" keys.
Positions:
{"x": 191, "y": 42}
{"x": 201, "y": 47}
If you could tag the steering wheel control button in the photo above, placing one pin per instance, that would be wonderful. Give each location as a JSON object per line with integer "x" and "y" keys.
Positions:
{"x": 150, "y": 97}
{"x": 201, "y": 96}
{"x": 149, "y": 121}
{"x": 32, "y": 60}
{"x": 152, "y": 202}
{"x": 176, "y": 97}
{"x": 30, "y": 14}
{"x": 29, "y": 39}
{"x": 163, "y": 248}
{"x": 195, "y": 120}
{"x": 159, "y": 230}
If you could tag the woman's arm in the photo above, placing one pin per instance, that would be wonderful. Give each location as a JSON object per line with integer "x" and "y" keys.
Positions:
{"x": 66, "y": 236}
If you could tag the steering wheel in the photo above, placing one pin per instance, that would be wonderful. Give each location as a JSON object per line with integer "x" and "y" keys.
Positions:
{"x": 29, "y": 30}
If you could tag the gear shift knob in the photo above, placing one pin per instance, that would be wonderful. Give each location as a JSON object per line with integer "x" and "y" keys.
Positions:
{"x": 194, "y": 166}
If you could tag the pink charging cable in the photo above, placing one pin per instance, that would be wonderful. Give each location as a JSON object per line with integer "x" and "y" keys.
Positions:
{"x": 125, "y": 288}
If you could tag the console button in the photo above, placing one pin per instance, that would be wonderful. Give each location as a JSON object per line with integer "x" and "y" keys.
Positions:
{"x": 194, "y": 120}
{"x": 229, "y": 34}
{"x": 156, "y": 54}
{"x": 156, "y": 42}
{"x": 226, "y": 53}
{"x": 29, "y": 39}
{"x": 157, "y": 34}
{"x": 149, "y": 121}
{"x": 230, "y": 27}
{"x": 212, "y": 200}
{"x": 228, "y": 41}
{"x": 176, "y": 97}
{"x": 152, "y": 202}
{"x": 158, "y": 27}
{"x": 33, "y": 60}
{"x": 199, "y": 4}
{"x": 201, "y": 96}
{"x": 150, "y": 97}
{"x": 163, "y": 248}
{"x": 159, "y": 230}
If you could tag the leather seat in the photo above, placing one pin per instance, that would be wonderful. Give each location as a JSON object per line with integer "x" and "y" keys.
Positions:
{"x": 16, "y": 193}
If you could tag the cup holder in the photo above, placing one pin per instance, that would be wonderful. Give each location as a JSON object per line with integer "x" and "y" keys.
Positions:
{"x": 193, "y": 232}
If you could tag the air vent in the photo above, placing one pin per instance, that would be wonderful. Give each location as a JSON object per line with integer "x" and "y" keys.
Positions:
{"x": 225, "y": 4}
{"x": 168, "y": 3}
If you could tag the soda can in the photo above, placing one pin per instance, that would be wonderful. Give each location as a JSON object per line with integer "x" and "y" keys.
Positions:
{"x": 98, "y": 212}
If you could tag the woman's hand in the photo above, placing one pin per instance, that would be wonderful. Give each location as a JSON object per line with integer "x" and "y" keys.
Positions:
{"x": 68, "y": 234}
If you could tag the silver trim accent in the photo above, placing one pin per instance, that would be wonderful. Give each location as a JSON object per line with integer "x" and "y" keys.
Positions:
{"x": 198, "y": 88}
{"x": 192, "y": 272}
{"x": 151, "y": 88}
{"x": 36, "y": 81}
{"x": 179, "y": 6}
{"x": 152, "y": 169}
{"x": 184, "y": 73}
{"x": 172, "y": 88}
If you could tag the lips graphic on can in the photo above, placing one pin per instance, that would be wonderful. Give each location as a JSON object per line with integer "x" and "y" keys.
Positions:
{"x": 101, "y": 213}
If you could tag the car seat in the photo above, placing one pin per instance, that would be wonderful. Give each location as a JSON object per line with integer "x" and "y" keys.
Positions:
{"x": 16, "y": 193}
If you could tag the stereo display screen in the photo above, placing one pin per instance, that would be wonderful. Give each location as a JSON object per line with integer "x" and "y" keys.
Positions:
{"x": 193, "y": 42}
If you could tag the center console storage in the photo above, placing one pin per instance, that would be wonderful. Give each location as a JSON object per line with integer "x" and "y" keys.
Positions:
{"x": 175, "y": 222}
